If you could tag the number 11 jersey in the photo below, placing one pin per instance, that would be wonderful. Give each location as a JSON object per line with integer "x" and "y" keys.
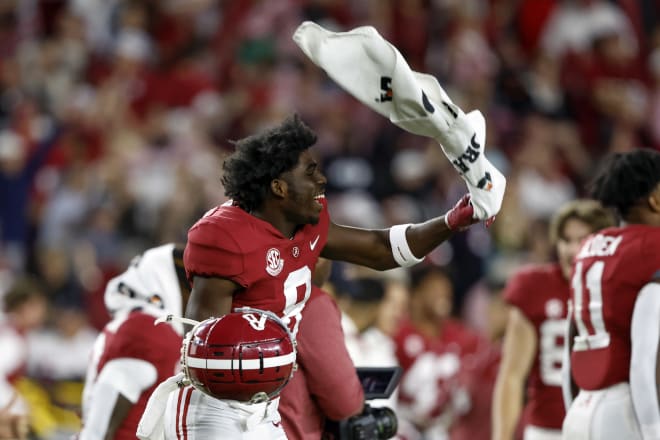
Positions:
{"x": 610, "y": 269}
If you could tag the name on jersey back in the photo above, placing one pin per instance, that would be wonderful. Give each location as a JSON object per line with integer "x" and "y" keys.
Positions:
{"x": 599, "y": 246}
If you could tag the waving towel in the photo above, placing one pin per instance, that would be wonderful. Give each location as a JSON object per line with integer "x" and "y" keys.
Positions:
{"x": 373, "y": 71}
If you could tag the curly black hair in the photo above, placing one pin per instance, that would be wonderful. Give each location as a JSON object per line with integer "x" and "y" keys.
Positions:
{"x": 626, "y": 178}
{"x": 260, "y": 158}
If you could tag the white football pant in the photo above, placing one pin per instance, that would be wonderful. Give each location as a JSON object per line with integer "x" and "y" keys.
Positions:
{"x": 605, "y": 414}
{"x": 536, "y": 433}
{"x": 193, "y": 415}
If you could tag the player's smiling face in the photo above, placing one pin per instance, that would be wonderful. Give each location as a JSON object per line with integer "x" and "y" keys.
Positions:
{"x": 305, "y": 189}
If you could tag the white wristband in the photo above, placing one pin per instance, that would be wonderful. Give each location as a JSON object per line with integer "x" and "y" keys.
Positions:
{"x": 400, "y": 249}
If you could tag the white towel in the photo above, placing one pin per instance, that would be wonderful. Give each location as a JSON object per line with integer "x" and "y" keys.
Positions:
{"x": 151, "y": 424}
{"x": 373, "y": 71}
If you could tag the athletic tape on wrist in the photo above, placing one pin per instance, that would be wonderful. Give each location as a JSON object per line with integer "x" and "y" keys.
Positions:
{"x": 400, "y": 249}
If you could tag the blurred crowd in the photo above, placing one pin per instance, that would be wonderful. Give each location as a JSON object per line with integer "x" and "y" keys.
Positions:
{"x": 115, "y": 116}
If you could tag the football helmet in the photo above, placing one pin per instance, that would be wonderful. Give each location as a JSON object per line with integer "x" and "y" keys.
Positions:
{"x": 151, "y": 280}
{"x": 248, "y": 355}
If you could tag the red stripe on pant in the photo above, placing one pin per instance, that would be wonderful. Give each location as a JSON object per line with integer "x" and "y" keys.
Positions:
{"x": 178, "y": 411}
{"x": 186, "y": 405}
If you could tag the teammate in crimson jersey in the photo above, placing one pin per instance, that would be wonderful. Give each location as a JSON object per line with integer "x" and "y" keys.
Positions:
{"x": 132, "y": 355}
{"x": 261, "y": 249}
{"x": 534, "y": 339}
{"x": 615, "y": 295}
{"x": 441, "y": 360}
{"x": 24, "y": 308}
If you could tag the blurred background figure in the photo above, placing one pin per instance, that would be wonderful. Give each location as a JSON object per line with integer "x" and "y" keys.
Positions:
{"x": 449, "y": 370}
{"x": 12, "y": 426}
{"x": 361, "y": 298}
{"x": 57, "y": 361}
{"x": 132, "y": 355}
{"x": 528, "y": 389}
{"x": 24, "y": 309}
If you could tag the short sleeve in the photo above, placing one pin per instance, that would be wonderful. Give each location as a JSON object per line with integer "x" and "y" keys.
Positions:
{"x": 212, "y": 251}
{"x": 139, "y": 338}
{"x": 517, "y": 290}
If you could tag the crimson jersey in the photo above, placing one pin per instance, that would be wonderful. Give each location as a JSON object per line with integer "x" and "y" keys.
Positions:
{"x": 134, "y": 336}
{"x": 276, "y": 271}
{"x": 325, "y": 383}
{"x": 608, "y": 273}
{"x": 540, "y": 292}
{"x": 455, "y": 370}
{"x": 14, "y": 353}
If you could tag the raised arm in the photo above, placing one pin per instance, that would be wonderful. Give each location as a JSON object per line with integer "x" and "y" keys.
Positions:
{"x": 644, "y": 364}
{"x": 517, "y": 357}
{"x": 400, "y": 245}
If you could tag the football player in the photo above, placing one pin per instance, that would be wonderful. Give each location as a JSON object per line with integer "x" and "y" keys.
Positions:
{"x": 25, "y": 307}
{"x": 533, "y": 342}
{"x": 615, "y": 322}
{"x": 260, "y": 251}
{"x": 442, "y": 362}
{"x": 132, "y": 355}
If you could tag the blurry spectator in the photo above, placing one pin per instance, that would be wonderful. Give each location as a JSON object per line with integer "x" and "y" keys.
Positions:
{"x": 18, "y": 168}
{"x": 394, "y": 306}
{"x": 485, "y": 309}
{"x": 12, "y": 426}
{"x": 67, "y": 208}
{"x": 542, "y": 183}
{"x": 58, "y": 275}
{"x": 448, "y": 369}
{"x": 57, "y": 360}
{"x": 24, "y": 307}
{"x": 654, "y": 107}
{"x": 543, "y": 85}
{"x": 574, "y": 24}
{"x": 360, "y": 301}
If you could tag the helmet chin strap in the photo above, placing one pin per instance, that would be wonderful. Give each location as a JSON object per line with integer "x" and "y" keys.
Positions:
{"x": 184, "y": 346}
{"x": 170, "y": 318}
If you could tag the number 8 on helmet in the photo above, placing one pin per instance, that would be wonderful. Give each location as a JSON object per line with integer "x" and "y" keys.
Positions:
{"x": 248, "y": 355}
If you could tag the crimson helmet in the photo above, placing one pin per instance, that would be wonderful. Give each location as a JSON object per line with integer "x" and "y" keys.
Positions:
{"x": 246, "y": 355}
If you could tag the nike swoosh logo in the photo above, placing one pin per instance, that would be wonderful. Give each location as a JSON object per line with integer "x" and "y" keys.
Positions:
{"x": 312, "y": 244}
